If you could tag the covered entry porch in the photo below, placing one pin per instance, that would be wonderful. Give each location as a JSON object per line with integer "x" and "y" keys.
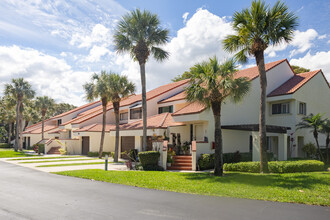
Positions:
{"x": 277, "y": 139}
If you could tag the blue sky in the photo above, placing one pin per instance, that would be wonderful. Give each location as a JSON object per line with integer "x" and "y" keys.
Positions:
{"x": 57, "y": 45}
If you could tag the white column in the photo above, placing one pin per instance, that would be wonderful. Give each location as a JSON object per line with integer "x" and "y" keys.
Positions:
{"x": 163, "y": 158}
{"x": 256, "y": 146}
{"x": 282, "y": 146}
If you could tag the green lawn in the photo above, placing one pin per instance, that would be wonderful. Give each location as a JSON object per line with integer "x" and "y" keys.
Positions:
{"x": 308, "y": 188}
{"x": 6, "y": 153}
{"x": 47, "y": 158}
{"x": 74, "y": 164}
{"x": 53, "y": 161}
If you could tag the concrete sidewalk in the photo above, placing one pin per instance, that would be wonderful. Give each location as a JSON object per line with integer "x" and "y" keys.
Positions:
{"x": 111, "y": 166}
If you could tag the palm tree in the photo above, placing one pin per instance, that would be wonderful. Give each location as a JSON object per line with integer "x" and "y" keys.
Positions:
{"x": 257, "y": 28}
{"x": 120, "y": 88}
{"x": 140, "y": 34}
{"x": 7, "y": 114}
{"x": 313, "y": 122}
{"x": 20, "y": 90}
{"x": 210, "y": 84}
{"x": 100, "y": 88}
{"x": 43, "y": 104}
{"x": 325, "y": 129}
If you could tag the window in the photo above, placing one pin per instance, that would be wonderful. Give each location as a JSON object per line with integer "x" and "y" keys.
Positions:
{"x": 59, "y": 121}
{"x": 302, "y": 108}
{"x": 165, "y": 109}
{"x": 281, "y": 108}
{"x": 124, "y": 116}
{"x": 136, "y": 113}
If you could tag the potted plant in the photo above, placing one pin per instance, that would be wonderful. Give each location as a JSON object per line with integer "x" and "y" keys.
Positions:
{"x": 186, "y": 147}
{"x": 170, "y": 154}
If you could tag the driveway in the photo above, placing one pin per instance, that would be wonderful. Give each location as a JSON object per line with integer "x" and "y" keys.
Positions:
{"x": 30, "y": 194}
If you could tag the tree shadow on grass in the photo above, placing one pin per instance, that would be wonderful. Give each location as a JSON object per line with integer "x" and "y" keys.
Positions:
{"x": 298, "y": 180}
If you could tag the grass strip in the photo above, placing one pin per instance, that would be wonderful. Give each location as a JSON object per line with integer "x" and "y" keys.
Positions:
{"x": 307, "y": 188}
{"x": 7, "y": 153}
{"x": 47, "y": 158}
{"x": 73, "y": 164}
{"x": 53, "y": 161}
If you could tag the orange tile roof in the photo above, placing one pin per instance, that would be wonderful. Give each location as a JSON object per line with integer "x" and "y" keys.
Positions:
{"x": 192, "y": 108}
{"x": 179, "y": 96}
{"x": 37, "y": 130}
{"x": 250, "y": 73}
{"x": 253, "y": 72}
{"x": 156, "y": 121}
{"x": 74, "y": 110}
{"x": 96, "y": 128}
{"x": 293, "y": 84}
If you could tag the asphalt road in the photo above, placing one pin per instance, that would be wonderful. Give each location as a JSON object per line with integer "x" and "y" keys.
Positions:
{"x": 29, "y": 194}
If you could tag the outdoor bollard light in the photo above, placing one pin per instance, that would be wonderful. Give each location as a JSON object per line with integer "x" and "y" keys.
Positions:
{"x": 106, "y": 162}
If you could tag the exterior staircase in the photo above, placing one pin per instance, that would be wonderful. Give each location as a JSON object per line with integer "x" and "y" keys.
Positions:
{"x": 54, "y": 150}
{"x": 181, "y": 162}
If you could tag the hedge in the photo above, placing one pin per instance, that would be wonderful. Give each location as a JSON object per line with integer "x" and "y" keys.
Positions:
{"x": 277, "y": 166}
{"x": 206, "y": 161}
{"x": 96, "y": 154}
{"x": 149, "y": 158}
{"x": 5, "y": 145}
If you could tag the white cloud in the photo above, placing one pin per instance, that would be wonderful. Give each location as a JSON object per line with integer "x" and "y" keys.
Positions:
{"x": 322, "y": 37}
{"x": 185, "y": 16}
{"x": 319, "y": 60}
{"x": 302, "y": 41}
{"x": 47, "y": 74}
{"x": 96, "y": 53}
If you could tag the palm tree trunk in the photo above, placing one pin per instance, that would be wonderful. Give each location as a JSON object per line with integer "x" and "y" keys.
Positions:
{"x": 42, "y": 126}
{"x": 327, "y": 141}
{"x": 104, "y": 104}
{"x": 262, "y": 114}
{"x": 218, "y": 158}
{"x": 9, "y": 133}
{"x": 17, "y": 126}
{"x": 26, "y": 124}
{"x": 315, "y": 133}
{"x": 116, "y": 110}
{"x": 144, "y": 105}
{"x": 20, "y": 131}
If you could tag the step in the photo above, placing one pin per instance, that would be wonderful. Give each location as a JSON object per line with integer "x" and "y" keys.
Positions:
{"x": 182, "y": 161}
{"x": 182, "y": 157}
{"x": 180, "y": 164}
{"x": 179, "y": 168}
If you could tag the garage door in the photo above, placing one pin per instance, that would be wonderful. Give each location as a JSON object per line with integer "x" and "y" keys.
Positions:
{"x": 127, "y": 143}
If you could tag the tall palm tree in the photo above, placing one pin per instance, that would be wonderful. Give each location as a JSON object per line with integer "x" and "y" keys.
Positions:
{"x": 325, "y": 129}
{"x": 313, "y": 122}
{"x": 120, "y": 88}
{"x": 20, "y": 90}
{"x": 100, "y": 88}
{"x": 43, "y": 104}
{"x": 140, "y": 34}
{"x": 257, "y": 28}
{"x": 210, "y": 84}
{"x": 7, "y": 114}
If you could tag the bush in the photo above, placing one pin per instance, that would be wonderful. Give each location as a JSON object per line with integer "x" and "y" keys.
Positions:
{"x": 39, "y": 148}
{"x": 96, "y": 154}
{"x": 206, "y": 161}
{"x": 277, "y": 166}
{"x": 133, "y": 154}
{"x": 5, "y": 145}
{"x": 309, "y": 149}
{"x": 149, "y": 158}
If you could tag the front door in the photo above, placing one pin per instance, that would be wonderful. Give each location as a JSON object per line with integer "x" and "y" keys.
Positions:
{"x": 85, "y": 145}
{"x": 127, "y": 143}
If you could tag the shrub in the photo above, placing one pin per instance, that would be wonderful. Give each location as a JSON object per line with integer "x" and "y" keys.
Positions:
{"x": 277, "y": 166}
{"x": 206, "y": 161}
{"x": 96, "y": 154}
{"x": 309, "y": 149}
{"x": 133, "y": 154}
{"x": 5, "y": 145}
{"x": 39, "y": 148}
{"x": 149, "y": 158}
